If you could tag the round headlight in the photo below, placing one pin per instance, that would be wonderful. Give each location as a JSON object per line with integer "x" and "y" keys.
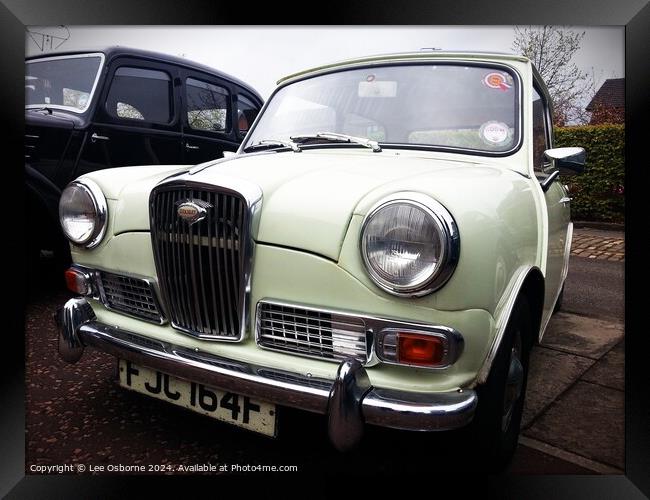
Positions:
{"x": 82, "y": 213}
{"x": 410, "y": 246}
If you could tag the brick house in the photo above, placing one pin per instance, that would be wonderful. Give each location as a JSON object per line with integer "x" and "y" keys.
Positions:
{"x": 608, "y": 105}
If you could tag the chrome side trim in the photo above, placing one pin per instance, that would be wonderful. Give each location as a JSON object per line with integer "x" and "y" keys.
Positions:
{"x": 500, "y": 327}
{"x": 565, "y": 271}
{"x": 347, "y": 400}
{"x": 567, "y": 252}
{"x": 450, "y": 249}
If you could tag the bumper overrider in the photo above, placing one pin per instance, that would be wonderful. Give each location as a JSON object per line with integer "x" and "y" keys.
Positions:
{"x": 349, "y": 401}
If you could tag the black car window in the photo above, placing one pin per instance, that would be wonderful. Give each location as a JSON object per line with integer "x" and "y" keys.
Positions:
{"x": 247, "y": 111}
{"x": 65, "y": 82}
{"x": 140, "y": 94}
{"x": 207, "y": 106}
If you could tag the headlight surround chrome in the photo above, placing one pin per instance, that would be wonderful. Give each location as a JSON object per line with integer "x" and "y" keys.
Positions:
{"x": 423, "y": 238}
{"x": 83, "y": 213}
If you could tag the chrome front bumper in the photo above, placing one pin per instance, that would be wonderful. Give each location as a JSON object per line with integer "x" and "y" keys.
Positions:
{"x": 349, "y": 401}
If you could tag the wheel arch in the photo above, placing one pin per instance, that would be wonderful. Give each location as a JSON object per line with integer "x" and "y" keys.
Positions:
{"x": 528, "y": 283}
{"x": 533, "y": 290}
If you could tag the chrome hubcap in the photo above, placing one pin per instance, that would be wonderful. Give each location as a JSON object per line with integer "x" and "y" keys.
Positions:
{"x": 514, "y": 382}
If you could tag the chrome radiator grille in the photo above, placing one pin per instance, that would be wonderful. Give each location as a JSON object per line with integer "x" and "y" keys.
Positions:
{"x": 132, "y": 296}
{"x": 311, "y": 332}
{"x": 200, "y": 265}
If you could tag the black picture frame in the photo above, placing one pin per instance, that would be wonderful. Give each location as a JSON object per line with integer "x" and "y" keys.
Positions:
{"x": 15, "y": 15}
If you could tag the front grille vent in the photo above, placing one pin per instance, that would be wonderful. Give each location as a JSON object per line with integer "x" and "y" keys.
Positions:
{"x": 129, "y": 295}
{"x": 201, "y": 263}
{"x": 310, "y": 332}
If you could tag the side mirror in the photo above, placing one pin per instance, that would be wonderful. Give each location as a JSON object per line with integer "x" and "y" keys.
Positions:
{"x": 569, "y": 161}
{"x": 229, "y": 154}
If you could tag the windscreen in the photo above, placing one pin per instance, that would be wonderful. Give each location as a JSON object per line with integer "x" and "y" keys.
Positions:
{"x": 446, "y": 105}
{"x": 61, "y": 82}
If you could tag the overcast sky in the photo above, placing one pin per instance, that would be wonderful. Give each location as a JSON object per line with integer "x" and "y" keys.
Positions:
{"x": 262, "y": 55}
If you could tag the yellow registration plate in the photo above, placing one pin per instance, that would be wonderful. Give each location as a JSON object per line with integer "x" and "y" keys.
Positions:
{"x": 257, "y": 416}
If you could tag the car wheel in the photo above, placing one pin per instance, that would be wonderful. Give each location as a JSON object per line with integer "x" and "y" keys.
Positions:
{"x": 496, "y": 425}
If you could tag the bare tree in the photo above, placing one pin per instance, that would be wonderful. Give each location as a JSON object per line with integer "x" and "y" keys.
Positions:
{"x": 551, "y": 49}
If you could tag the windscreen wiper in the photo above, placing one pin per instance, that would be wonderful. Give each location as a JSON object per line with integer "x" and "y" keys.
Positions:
{"x": 269, "y": 143}
{"x": 44, "y": 108}
{"x": 331, "y": 136}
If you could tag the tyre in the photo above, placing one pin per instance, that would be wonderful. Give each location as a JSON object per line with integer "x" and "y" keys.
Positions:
{"x": 558, "y": 302}
{"x": 496, "y": 424}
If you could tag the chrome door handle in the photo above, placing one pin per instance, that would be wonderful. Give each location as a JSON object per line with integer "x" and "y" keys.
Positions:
{"x": 97, "y": 137}
{"x": 565, "y": 200}
{"x": 190, "y": 146}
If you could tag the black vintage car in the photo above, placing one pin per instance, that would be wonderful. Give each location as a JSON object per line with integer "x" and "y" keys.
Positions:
{"x": 91, "y": 110}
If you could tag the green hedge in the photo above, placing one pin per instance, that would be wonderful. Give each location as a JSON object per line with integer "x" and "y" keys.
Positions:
{"x": 598, "y": 194}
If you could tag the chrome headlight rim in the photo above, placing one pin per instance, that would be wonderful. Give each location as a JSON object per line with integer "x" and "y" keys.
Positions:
{"x": 450, "y": 244}
{"x": 101, "y": 213}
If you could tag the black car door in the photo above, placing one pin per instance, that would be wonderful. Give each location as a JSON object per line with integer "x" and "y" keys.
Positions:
{"x": 207, "y": 120}
{"x": 137, "y": 121}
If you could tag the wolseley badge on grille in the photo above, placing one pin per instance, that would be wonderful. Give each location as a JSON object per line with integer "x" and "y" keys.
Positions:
{"x": 192, "y": 211}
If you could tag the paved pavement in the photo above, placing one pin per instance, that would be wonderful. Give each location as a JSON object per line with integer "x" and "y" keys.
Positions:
{"x": 598, "y": 244}
{"x": 573, "y": 420}
{"x": 575, "y": 402}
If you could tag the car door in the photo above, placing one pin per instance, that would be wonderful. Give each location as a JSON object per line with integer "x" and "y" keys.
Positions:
{"x": 557, "y": 203}
{"x": 137, "y": 121}
{"x": 207, "y": 121}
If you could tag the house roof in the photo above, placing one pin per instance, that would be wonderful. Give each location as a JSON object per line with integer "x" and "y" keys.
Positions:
{"x": 610, "y": 94}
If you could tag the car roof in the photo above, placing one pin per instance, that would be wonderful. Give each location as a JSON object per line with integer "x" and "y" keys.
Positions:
{"x": 425, "y": 54}
{"x": 117, "y": 50}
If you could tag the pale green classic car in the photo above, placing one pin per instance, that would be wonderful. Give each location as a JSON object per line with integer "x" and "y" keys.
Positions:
{"x": 385, "y": 247}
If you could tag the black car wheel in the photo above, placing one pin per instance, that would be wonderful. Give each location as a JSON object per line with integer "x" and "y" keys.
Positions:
{"x": 496, "y": 425}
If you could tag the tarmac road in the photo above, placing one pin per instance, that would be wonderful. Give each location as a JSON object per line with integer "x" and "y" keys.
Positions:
{"x": 595, "y": 288}
{"x": 76, "y": 414}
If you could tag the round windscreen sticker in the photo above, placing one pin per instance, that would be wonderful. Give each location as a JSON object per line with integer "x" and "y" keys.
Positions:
{"x": 498, "y": 81}
{"x": 494, "y": 132}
